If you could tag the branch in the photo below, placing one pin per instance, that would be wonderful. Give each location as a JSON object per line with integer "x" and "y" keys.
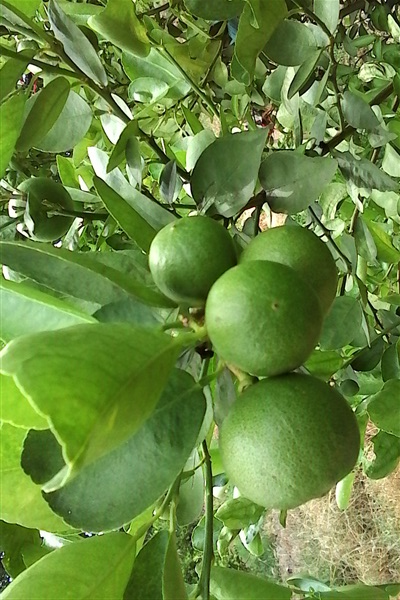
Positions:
{"x": 208, "y": 554}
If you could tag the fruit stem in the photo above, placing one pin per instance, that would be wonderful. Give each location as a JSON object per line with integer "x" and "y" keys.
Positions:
{"x": 203, "y": 586}
{"x": 244, "y": 379}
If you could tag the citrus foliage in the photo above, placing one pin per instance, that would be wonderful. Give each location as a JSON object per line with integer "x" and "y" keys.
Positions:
{"x": 120, "y": 122}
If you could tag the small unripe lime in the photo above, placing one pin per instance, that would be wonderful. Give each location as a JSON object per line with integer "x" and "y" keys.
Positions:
{"x": 288, "y": 439}
{"x": 263, "y": 318}
{"x": 187, "y": 256}
{"x": 45, "y": 196}
{"x": 303, "y": 251}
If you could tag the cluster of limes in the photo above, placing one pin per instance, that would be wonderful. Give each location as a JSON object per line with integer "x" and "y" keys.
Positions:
{"x": 289, "y": 437}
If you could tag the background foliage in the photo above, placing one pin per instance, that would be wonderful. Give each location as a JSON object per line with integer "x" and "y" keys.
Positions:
{"x": 144, "y": 112}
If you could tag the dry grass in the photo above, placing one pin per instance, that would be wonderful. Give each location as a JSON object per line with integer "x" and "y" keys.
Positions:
{"x": 342, "y": 547}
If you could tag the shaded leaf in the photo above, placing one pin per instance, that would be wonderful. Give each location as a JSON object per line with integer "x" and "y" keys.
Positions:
{"x": 225, "y": 175}
{"x": 292, "y": 181}
{"x": 227, "y": 584}
{"x": 303, "y": 74}
{"x": 14, "y": 541}
{"x": 76, "y": 45}
{"x": 387, "y": 455}
{"x": 156, "y": 573}
{"x": 11, "y": 118}
{"x": 109, "y": 376}
{"x": 324, "y": 364}
{"x": 122, "y": 484}
{"x": 363, "y": 173}
{"x": 385, "y": 249}
{"x": 119, "y": 24}
{"x": 384, "y": 407}
{"x": 44, "y": 110}
{"x": 302, "y": 44}
{"x": 342, "y": 323}
{"x": 10, "y": 73}
{"x": 257, "y": 23}
{"x": 215, "y": 10}
{"x": 238, "y": 513}
{"x": 358, "y": 112}
{"x": 391, "y": 362}
{"x": 391, "y": 161}
{"x": 118, "y": 153}
{"x": 103, "y": 563}
{"x": 25, "y": 310}
{"x": 191, "y": 492}
{"x": 328, "y": 12}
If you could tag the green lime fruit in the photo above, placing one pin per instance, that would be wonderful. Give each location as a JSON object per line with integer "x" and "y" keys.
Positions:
{"x": 303, "y": 251}
{"x": 263, "y": 318}
{"x": 288, "y": 439}
{"x": 187, "y": 256}
{"x": 44, "y": 197}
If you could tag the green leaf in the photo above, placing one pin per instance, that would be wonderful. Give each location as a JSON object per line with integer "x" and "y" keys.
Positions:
{"x": 328, "y": 12}
{"x": 302, "y": 44}
{"x": 118, "y": 153}
{"x": 102, "y": 562}
{"x": 76, "y": 45}
{"x": 75, "y": 274}
{"x": 70, "y": 128}
{"x": 108, "y": 376}
{"x": 365, "y": 244}
{"x": 28, "y": 7}
{"x": 134, "y": 225}
{"x": 227, "y": 584}
{"x": 384, "y": 407}
{"x": 225, "y": 175}
{"x": 21, "y": 500}
{"x": 25, "y": 310}
{"x": 155, "y": 215}
{"x": 238, "y": 513}
{"x": 215, "y": 10}
{"x": 158, "y": 67}
{"x": 324, "y": 364}
{"x": 387, "y": 455}
{"x": 127, "y": 311}
{"x": 79, "y": 13}
{"x": 292, "y": 181}
{"x": 385, "y": 249}
{"x": 121, "y": 485}
{"x": 11, "y": 119}
{"x": 363, "y": 173}
{"x": 10, "y": 73}
{"x": 257, "y": 23}
{"x": 354, "y": 592}
{"x": 170, "y": 183}
{"x": 15, "y": 540}
{"x": 43, "y": 112}
{"x": 156, "y": 574}
{"x": 16, "y": 409}
{"x": 391, "y": 161}
{"x": 342, "y": 323}
{"x": 358, "y": 112}
{"x": 119, "y": 24}
{"x": 343, "y": 491}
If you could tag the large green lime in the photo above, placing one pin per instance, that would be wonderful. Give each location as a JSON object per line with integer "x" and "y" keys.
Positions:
{"x": 263, "y": 318}
{"x": 302, "y": 250}
{"x": 44, "y": 197}
{"x": 188, "y": 255}
{"x": 289, "y": 439}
